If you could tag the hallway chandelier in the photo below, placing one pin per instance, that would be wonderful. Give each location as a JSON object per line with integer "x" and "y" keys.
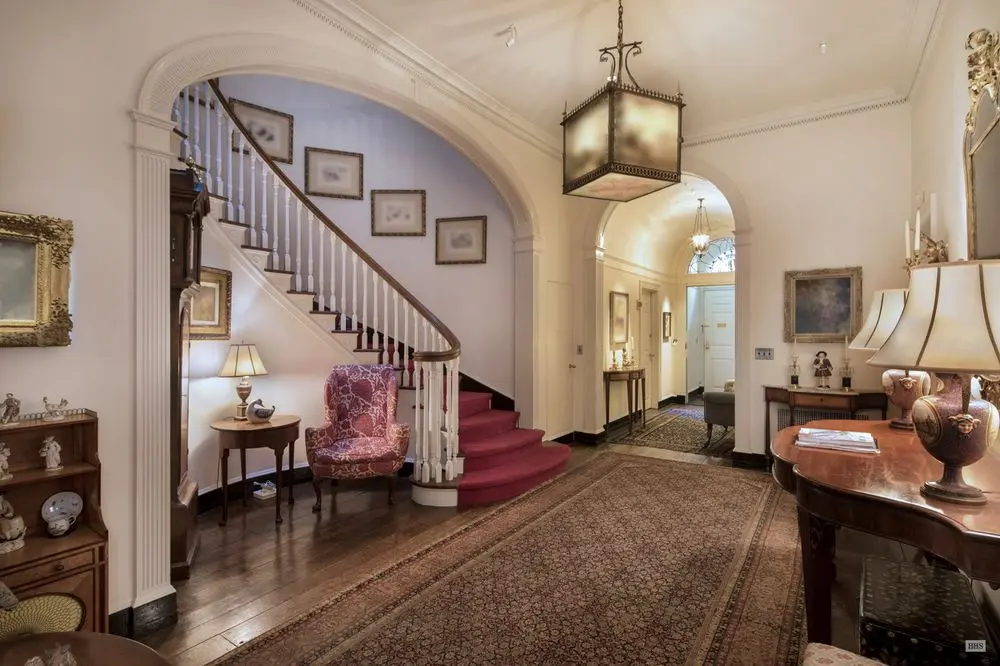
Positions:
{"x": 623, "y": 142}
{"x": 700, "y": 236}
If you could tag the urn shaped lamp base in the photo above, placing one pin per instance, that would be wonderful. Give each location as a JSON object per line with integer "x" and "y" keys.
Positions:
{"x": 957, "y": 431}
{"x": 243, "y": 391}
{"x": 903, "y": 388}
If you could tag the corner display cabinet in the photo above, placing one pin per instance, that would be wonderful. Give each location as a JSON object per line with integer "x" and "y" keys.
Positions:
{"x": 75, "y": 563}
{"x": 189, "y": 203}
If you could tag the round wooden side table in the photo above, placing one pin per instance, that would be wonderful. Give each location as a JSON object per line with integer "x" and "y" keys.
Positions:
{"x": 89, "y": 649}
{"x": 276, "y": 434}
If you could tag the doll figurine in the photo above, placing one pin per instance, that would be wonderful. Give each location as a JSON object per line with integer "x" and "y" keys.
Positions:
{"x": 5, "y": 474}
{"x": 50, "y": 451}
{"x": 9, "y": 410}
{"x": 823, "y": 369}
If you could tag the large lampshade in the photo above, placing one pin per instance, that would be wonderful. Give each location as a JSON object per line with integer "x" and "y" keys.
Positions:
{"x": 243, "y": 361}
{"x": 885, "y": 310}
{"x": 623, "y": 142}
{"x": 951, "y": 321}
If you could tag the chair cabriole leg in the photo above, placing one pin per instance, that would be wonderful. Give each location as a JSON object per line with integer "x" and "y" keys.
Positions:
{"x": 319, "y": 495}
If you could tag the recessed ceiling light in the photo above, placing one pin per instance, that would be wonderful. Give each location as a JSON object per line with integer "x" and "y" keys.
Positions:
{"x": 822, "y": 48}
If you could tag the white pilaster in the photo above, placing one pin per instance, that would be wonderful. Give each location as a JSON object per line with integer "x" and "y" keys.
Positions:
{"x": 153, "y": 160}
{"x": 747, "y": 393}
{"x": 528, "y": 367}
{"x": 595, "y": 349}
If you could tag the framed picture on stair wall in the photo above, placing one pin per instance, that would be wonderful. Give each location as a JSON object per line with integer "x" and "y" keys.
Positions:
{"x": 271, "y": 129}
{"x": 212, "y": 306}
{"x": 399, "y": 212}
{"x": 334, "y": 173}
{"x": 619, "y": 318}
{"x": 460, "y": 240}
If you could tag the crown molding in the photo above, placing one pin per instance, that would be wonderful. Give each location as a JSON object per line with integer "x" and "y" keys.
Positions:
{"x": 380, "y": 39}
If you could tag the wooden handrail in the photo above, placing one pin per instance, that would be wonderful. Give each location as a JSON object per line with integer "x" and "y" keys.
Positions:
{"x": 451, "y": 338}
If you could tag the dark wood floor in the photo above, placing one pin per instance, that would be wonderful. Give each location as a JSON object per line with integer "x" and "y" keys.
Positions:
{"x": 253, "y": 575}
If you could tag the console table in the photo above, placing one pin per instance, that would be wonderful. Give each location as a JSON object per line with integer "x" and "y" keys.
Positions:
{"x": 633, "y": 378}
{"x": 822, "y": 399}
{"x": 880, "y": 494}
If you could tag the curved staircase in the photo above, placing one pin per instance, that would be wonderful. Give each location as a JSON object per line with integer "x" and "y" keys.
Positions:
{"x": 464, "y": 451}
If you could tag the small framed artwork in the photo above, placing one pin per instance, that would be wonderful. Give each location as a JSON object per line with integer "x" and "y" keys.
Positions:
{"x": 335, "y": 173}
{"x": 668, "y": 323}
{"x": 271, "y": 129}
{"x": 399, "y": 212}
{"x": 619, "y": 318}
{"x": 822, "y": 305}
{"x": 212, "y": 306}
{"x": 460, "y": 240}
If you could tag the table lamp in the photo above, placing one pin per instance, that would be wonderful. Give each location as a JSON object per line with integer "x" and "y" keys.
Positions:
{"x": 902, "y": 387}
{"x": 242, "y": 361}
{"x": 950, "y": 326}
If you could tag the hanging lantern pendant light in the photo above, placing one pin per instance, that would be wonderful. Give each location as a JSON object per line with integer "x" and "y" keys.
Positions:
{"x": 700, "y": 237}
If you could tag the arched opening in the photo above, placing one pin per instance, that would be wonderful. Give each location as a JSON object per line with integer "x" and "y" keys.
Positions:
{"x": 216, "y": 56}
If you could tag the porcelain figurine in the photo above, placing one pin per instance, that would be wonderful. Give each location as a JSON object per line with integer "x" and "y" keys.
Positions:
{"x": 50, "y": 451}
{"x": 822, "y": 369}
{"x": 5, "y": 474}
{"x": 11, "y": 527}
{"x": 54, "y": 412}
{"x": 9, "y": 410}
{"x": 58, "y": 656}
{"x": 258, "y": 413}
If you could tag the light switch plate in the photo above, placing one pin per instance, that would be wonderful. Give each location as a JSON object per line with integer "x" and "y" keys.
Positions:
{"x": 764, "y": 353}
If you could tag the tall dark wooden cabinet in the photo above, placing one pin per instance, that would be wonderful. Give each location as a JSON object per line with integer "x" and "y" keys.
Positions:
{"x": 189, "y": 202}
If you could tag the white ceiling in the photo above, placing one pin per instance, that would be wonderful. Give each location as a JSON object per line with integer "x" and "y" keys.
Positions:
{"x": 738, "y": 62}
{"x": 650, "y": 230}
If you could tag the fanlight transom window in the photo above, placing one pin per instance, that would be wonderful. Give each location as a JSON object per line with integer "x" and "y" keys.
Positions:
{"x": 719, "y": 257}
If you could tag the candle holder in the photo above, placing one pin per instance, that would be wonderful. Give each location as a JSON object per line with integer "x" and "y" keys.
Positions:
{"x": 794, "y": 370}
{"x": 846, "y": 372}
{"x": 933, "y": 252}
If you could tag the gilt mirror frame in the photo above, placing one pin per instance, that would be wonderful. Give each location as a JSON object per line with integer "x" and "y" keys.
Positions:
{"x": 984, "y": 79}
{"x": 50, "y": 323}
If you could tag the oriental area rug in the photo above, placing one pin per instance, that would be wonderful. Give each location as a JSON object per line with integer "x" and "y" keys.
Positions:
{"x": 623, "y": 560}
{"x": 677, "y": 428}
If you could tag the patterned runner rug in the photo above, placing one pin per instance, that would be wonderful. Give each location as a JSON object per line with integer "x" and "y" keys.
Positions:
{"x": 619, "y": 561}
{"x": 678, "y": 428}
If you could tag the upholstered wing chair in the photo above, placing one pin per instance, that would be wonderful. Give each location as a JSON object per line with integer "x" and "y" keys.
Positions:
{"x": 361, "y": 437}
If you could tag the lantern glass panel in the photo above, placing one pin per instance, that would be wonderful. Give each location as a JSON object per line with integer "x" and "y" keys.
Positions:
{"x": 646, "y": 132}
{"x": 586, "y": 139}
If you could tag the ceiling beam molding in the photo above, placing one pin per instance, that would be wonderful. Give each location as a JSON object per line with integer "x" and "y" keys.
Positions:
{"x": 380, "y": 39}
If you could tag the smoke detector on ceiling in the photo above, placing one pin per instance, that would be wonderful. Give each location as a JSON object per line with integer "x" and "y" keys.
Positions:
{"x": 511, "y": 33}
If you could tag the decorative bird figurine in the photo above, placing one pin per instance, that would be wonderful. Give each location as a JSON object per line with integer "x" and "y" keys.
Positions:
{"x": 258, "y": 413}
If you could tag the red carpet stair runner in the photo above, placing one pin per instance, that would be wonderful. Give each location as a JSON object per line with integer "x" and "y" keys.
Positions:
{"x": 501, "y": 460}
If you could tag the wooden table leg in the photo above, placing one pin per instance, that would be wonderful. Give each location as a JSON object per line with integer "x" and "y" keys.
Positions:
{"x": 628, "y": 383}
{"x": 767, "y": 434}
{"x": 607, "y": 406}
{"x": 243, "y": 471}
{"x": 818, "y": 543}
{"x": 225, "y": 487}
{"x": 642, "y": 405}
{"x": 291, "y": 472}
{"x": 278, "y": 451}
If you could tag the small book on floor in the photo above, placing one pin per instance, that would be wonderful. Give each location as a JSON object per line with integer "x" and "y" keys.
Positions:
{"x": 837, "y": 440}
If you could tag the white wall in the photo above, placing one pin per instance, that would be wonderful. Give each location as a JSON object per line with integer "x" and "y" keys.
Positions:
{"x": 476, "y": 301}
{"x": 939, "y": 103}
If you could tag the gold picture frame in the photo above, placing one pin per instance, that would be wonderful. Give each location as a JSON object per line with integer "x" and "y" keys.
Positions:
{"x": 34, "y": 280}
{"x": 981, "y": 145}
{"x": 822, "y": 305}
{"x": 212, "y": 305}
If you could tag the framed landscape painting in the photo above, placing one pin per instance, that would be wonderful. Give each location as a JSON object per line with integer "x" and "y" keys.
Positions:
{"x": 822, "y": 305}
{"x": 399, "y": 212}
{"x": 460, "y": 240}
{"x": 619, "y": 318}
{"x": 335, "y": 173}
{"x": 211, "y": 307}
{"x": 272, "y": 130}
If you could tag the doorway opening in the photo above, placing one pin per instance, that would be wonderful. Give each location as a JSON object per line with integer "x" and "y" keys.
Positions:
{"x": 711, "y": 332}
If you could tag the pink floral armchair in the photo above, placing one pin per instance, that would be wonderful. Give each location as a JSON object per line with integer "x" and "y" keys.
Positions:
{"x": 361, "y": 437}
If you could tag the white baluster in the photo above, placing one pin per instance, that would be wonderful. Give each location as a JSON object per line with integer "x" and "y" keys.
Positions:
{"x": 364, "y": 301}
{"x": 240, "y": 207}
{"x": 207, "y": 153}
{"x": 385, "y": 320}
{"x": 309, "y": 278}
{"x": 218, "y": 154}
{"x": 333, "y": 273}
{"x": 264, "y": 172}
{"x": 426, "y": 343}
{"x": 253, "y": 199}
{"x": 375, "y": 320}
{"x": 175, "y": 115}
{"x": 227, "y": 141}
{"x": 421, "y": 471}
{"x": 197, "y": 125}
{"x": 406, "y": 322}
{"x": 395, "y": 325}
{"x": 354, "y": 289}
{"x": 286, "y": 261}
{"x": 186, "y": 123}
{"x": 451, "y": 374}
{"x": 321, "y": 297}
{"x": 343, "y": 279}
{"x": 276, "y": 224}
{"x": 435, "y": 421}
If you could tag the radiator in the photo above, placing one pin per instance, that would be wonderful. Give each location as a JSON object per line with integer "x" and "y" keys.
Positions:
{"x": 803, "y": 416}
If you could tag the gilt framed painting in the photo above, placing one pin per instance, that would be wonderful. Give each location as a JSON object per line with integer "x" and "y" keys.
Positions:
{"x": 460, "y": 240}
{"x": 822, "y": 305}
{"x": 399, "y": 212}
{"x": 272, "y": 130}
{"x": 668, "y": 324}
{"x": 211, "y": 307}
{"x": 619, "y": 317}
{"x": 335, "y": 173}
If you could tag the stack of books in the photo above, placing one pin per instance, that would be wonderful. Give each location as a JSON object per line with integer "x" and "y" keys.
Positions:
{"x": 836, "y": 440}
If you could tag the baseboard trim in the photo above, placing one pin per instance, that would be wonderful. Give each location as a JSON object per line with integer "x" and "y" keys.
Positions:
{"x": 139, "y": 621}
{"x": 749, "y": 460}
{"x": 695, "y": 393}
{"x": 577, "y": 437}
{"x": 672, "y": 400}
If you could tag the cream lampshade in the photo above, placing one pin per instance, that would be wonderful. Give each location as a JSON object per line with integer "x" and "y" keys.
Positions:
{"x": 950, "y": 326}
{"x": 902, "y": 387}
{"x": 243, "y": 361}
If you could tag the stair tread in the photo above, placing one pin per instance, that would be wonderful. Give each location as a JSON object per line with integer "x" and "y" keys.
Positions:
{"x": 488, "y": 416}
{"x": 277, "y": 270}
{"x": 234, "y": 223}
{"x": 373, "y": 349}
{"x": 327, "y": 312}
{"x": 473, "y": 396}
{"x": 532, "y": 463}
{"x": 490, "y": 446}
{"x": 301, "y": 293}
{"x": 259, "y": 248}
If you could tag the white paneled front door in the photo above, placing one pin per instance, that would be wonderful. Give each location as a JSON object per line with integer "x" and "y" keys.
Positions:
{"x": 720, "y": 336}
